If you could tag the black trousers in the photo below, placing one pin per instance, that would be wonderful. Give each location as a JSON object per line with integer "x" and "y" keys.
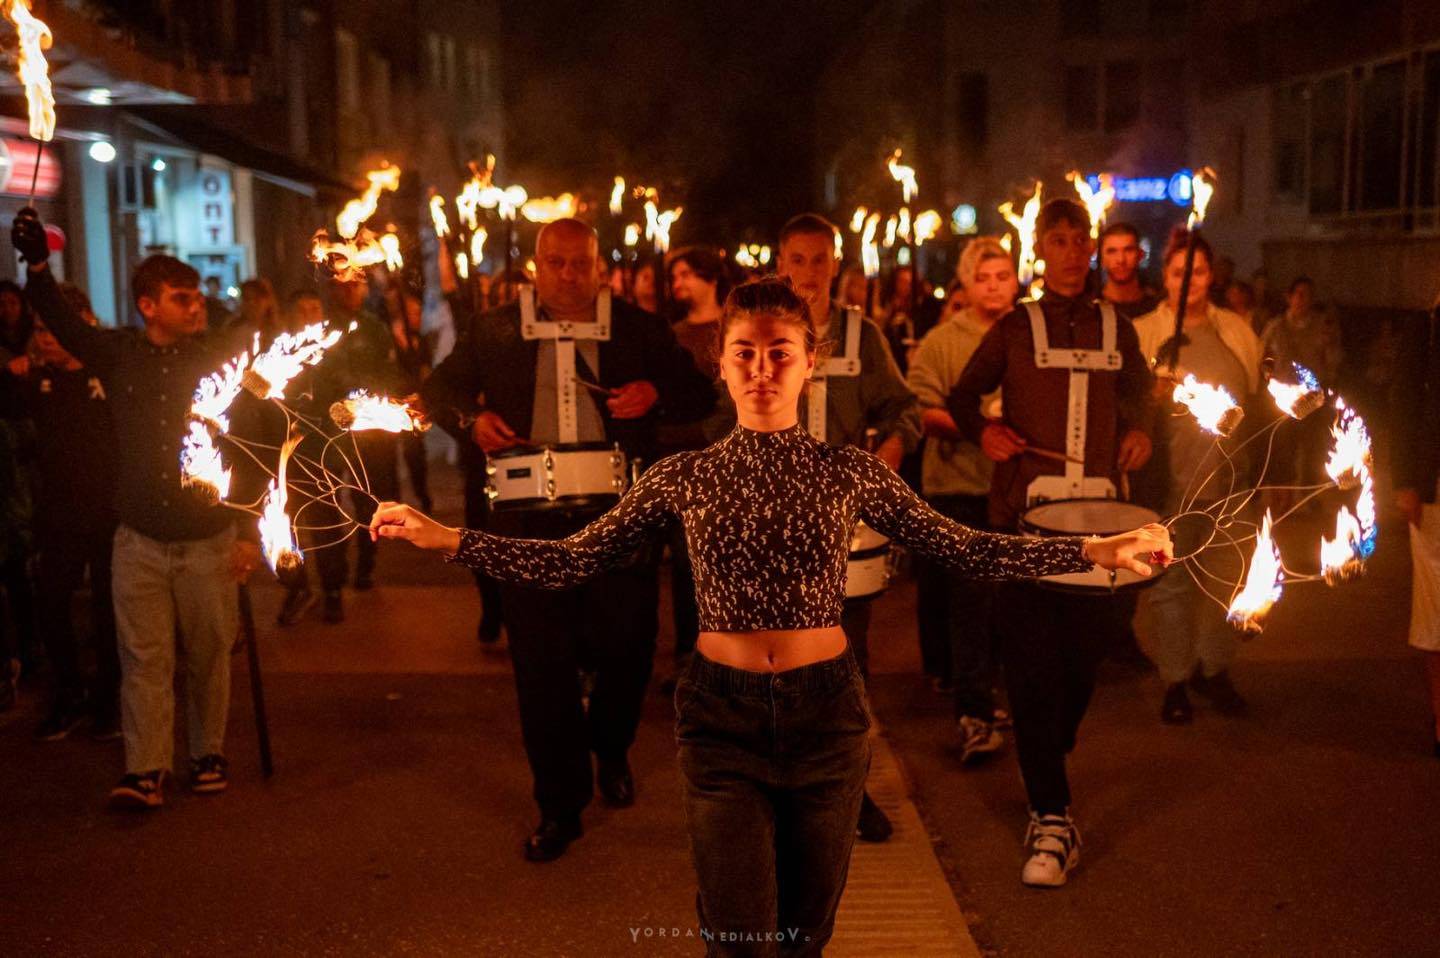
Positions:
{"x": 66, "y": 553}
{"x": 417, "y": 464}
{"x": 375, "y": 468}
{"x": 957, "y": 615}
{"x": 477, "y": 516}
{"x": 1051, "y": 644}
{"x": 606, "y": 627}
{"x": 774, "y": 766}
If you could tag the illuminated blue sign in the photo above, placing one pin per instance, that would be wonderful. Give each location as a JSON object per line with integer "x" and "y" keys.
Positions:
{"x": 1149, "y": 189}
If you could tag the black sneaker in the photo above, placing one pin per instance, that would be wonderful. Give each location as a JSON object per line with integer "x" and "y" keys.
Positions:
{"x": 297, "y": 602}
{"x": 1221, "y": 691}
{"x": 208, "y": 774}
{"x": 874, "y": 824}
{"x": 62, "y": 720}
{"x": 551, "y": 837}
{"x": 1176, "y": 710}
{"x": 139, "y": 791}
{"x": 334, "y": 608}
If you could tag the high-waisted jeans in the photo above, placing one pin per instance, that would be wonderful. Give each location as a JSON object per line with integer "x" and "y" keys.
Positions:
{"x": 774, "y": 767}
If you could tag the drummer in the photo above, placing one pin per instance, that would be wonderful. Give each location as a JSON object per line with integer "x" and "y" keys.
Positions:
{"x": 1049, "y": 643}
{"x": 868, "y": 397}
{"x": 608, "y": 625}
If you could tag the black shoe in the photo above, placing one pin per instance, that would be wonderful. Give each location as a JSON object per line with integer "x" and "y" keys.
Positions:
{"x": 1221, "y": 691}
{"x": 1176, "y": 710}
{"x": 616, "y": 784}
{"x": 209, "y": 774}
{"x": 550, "y": 839}
{"x": 364, "y": 580}
{"x": 334, "y": 608}
{"x": 297, "y": 602}
{"x": 139, "y": 791}
{"x": 62, "y": 720}
{"x": 874, "y": 824}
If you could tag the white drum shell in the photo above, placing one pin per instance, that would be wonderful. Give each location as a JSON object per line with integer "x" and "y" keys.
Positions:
{"x": 1088, "y": 517}
{"x": 554, "y": 476}
{"x": 867, "y": 575}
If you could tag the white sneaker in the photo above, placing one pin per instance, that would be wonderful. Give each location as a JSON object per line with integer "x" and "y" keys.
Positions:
{"x": 1053, "y": 842}
{"x": 978, "y": 739}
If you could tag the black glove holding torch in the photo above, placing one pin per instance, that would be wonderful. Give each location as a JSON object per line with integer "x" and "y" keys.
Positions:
{"x": 28, "y": 236}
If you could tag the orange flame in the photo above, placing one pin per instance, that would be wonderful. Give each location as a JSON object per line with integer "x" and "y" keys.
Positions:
{"x": 361, "y": 411}
{"x": 288, "y": 354}
{"x": 277, "y": 536}
{"x": 1024, "y": 225}
{"x": 462, "y": 265}
{"x": 390, "y": 246}
{"x": 904, "y": 175}
{"x": 547, "y": 209}
{"x": 658, "y": 221}
{"x": 869, "y": 251}
{"x": 1096, "y": 201}
{"x": 1202, "y": 190}
{"x": 347, "y": 259}
{"x": 437, "y": 215}
{"x": 477, "y": 247}
{"x": 857, "y": 219}
{"x": 632, "y": 234}
{"x": 1350, "y": 455}
{"x": 32, "y": 68}
{"x": 357, "y": 211}
{"x": 617, "y": 197}
{"x": 1214, "y": 409}
{"x": 1263, "y": 583}
{"x": 927, "y": 226}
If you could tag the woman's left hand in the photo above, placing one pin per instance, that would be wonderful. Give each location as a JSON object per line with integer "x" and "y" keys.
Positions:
{"x": 1131, "y": 550}
{"x": 395, "y": 520}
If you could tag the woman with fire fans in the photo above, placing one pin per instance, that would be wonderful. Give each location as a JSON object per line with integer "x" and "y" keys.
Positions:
{"x": 772, "y": 719}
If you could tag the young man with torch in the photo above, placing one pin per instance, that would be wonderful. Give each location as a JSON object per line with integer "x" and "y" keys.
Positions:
{"x": 1073, "y": 379}
{"x": 563, "y": 366}
{"x": 176, "y": 557}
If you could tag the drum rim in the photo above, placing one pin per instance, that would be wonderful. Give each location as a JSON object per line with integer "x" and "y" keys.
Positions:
{"x": 1042, "y": 531}
{"x": 532, "y": 450}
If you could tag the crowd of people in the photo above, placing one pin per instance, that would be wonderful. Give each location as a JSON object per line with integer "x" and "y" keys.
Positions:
{"x": 968, "y": 398}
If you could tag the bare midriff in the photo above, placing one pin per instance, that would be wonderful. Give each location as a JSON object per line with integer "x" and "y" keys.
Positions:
{"x": 772, "y": 650}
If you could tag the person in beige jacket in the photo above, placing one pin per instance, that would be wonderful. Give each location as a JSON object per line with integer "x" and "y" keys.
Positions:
{"x": 1192, "y": 641}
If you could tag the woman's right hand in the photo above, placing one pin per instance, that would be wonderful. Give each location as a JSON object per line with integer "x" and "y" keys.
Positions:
{"x": 395, "y": 520}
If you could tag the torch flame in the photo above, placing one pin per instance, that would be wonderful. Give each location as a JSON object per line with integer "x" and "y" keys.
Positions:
{"x": 1024, "y": 226}
{"x": 857, "y": 219}
{"x": 477, "y": 246}
{"x": 658, "y": 222}
{"x": 927, "y": 225}
{"x": 1350, "y": 457}
{"x": 902, "y": 228}
{"x": 277, "y": 537}
{"x": 548, "y": 209}
{"x": 1339, "y": 557}
{"x": 617, "y": 197}
{"x": 390, "y": 246}
{"x": 288, "y": 354}
{"x": 869, "y": 252}
{"x": 357, "y": 211}
{"x": 362, "y": 411}
{"x": 632, "y": 234}
{"x": 904, "y": 175}
{"x": 462, "y": 265}
{"x": 1096, "y": 201}
{"x": 1300, "y": 398}
{"x": 892, "y": 225}
{"x": 34, "y": 72}
{"x": 1263, "y": 583}
{"x": 437, "y": 215}
{"x": 1214, "y": 409}
{"x": 1202, "y": 189}
{"x": 480, "y": 192}
{"x": 347, "y": 259}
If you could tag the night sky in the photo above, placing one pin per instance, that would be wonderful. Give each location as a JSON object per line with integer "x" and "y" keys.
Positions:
{"x": 713, "y": 102}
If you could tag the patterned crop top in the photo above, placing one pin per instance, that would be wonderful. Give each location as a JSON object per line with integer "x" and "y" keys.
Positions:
{"x": 768, "y": 518}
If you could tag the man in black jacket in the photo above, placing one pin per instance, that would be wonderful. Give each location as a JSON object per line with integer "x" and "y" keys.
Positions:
{"x": 1415, "y": 464}
{"x": 608, "y": 626}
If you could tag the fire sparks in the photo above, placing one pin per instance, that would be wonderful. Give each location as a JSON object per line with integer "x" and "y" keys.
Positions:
{"x": 1350, "y": 458}
{"x": 1263, "y": 583}
{"x": 34, "y": 71}
{"x": 617, "y": 197}
{"x": 390, "y": 246}
{"x": 357, "y": 211}
{"x": 904, "y": 175}
{"x": 869, "y": 252}
{"x": 1202, "y": 190}
{"x": 1097, "y": 202}
{"x": 1300, "y": 398}
{"x": 437, "y": 215}
{"x": 927, "y": 226}
{"x": 1024, "y": 226}
{"x": 347, "y": 259}
{"x": 1214, "y": 409}
{"x": 548, "y": 209}
{"x": 362, "y": 411}
{"x": 277, "y": 537}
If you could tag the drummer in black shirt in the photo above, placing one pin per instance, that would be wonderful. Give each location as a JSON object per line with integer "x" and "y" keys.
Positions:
{"x": 608, "y": 626}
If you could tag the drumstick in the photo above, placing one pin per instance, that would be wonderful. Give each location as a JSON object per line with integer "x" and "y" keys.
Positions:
{"x": 1051, "y": 454}
{"x": 601, "y": 390}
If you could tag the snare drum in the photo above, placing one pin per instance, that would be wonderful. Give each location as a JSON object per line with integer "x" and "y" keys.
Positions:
{"x": 867, "y": 572}
{"x": 569, "y": 476}
{"x": 1088, "y": 517}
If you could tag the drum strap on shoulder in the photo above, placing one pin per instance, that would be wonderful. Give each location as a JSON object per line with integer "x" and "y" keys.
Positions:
{"x": 846, "y": 364}
{"x": 1080, "y": 362}
{"x": 564, "y": 336}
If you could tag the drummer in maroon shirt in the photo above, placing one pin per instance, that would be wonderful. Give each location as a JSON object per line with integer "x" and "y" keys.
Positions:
{"x": 1051, "y": 642}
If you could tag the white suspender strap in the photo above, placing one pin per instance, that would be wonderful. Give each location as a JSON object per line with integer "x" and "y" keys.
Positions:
{"x": 567, "y": 415}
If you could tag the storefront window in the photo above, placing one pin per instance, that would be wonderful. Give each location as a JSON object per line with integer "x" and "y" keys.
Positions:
{"x": 1382, "y": 133}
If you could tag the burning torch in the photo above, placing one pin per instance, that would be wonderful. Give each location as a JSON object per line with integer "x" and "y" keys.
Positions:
{"x": 1202, "y": 188}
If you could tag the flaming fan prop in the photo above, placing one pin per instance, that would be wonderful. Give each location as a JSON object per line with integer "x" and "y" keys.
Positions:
{"x": 1350, "y": 471}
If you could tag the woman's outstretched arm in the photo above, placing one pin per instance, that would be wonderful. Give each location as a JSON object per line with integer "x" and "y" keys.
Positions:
{"x": 545, "y": 563}
{"x": 893, "y": 509}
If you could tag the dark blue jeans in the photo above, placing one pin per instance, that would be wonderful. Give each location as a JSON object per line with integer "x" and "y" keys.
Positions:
{"x": 774, "y": 767}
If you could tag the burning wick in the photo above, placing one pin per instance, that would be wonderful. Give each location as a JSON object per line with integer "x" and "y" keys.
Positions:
{"x": 1263, "y": 584}
{"x": 1214, "y": 409}
{"x": 277, "y": 537}
{"x": 361, "y": 411}
{"x": 1300, "y": 398}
